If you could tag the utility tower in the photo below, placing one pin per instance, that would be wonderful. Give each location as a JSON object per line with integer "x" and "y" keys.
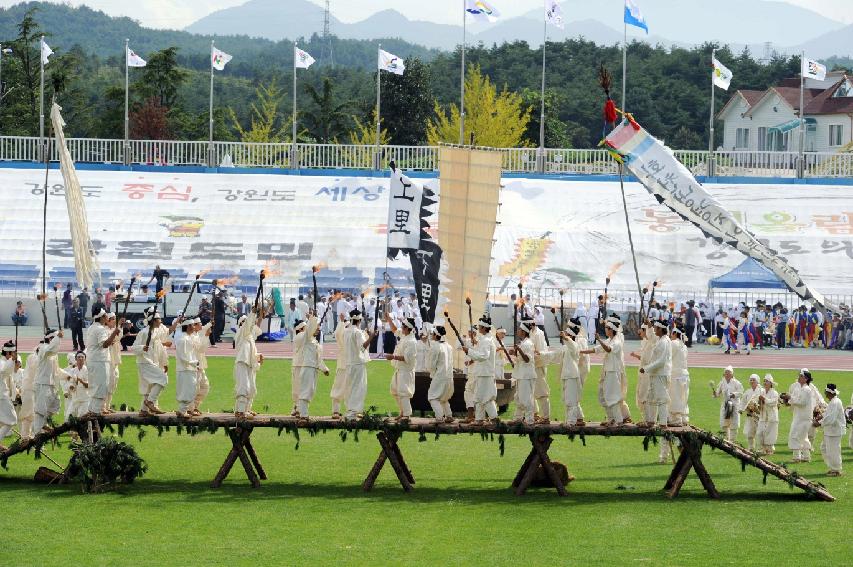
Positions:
{"x": 327, "y": 56}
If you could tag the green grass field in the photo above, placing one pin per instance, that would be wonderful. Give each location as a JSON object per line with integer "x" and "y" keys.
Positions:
{"x": 312, "y": 510}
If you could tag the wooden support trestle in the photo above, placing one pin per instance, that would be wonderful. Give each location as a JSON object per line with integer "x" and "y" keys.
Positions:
{"x": 390, "y": 452}
{"x": 691, "y": 457}
{"x": 241, "y": 448}
{"x": 538, "y": 456}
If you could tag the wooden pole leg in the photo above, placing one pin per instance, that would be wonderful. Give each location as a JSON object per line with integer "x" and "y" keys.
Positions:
{"x": 392, "y": 453}
{"x": 691, "y": 457}
{"x": 538, "y": 456}
{"x": 239, "y": 443}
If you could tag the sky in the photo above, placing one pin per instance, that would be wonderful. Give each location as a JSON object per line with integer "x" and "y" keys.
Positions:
{"x": 177, "y": 14}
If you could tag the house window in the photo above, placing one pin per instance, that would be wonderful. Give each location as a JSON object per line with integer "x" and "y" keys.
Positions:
{"x": 835, "y": 135}
{"x": 742, "y": 138}
{"x": 762, "y": 139}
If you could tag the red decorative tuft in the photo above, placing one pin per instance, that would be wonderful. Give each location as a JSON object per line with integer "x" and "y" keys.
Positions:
{"x": 610, "y": 111}
{"x": 633, "y": 122}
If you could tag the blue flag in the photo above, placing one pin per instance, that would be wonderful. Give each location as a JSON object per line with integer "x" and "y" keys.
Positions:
{"x": 633, "y": 16}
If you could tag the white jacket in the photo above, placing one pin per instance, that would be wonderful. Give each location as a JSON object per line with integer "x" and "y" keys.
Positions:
{"x": 834, "y": 423}
{"x": 483, "y": 356}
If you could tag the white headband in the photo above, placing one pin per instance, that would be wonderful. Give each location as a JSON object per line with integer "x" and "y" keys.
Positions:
{"x": 769, "y": 378}
{"x": 660, "y": 325}
{"x": 99, "y": 314}
{"x": 524, "y": 328}
{"x": 407, "y": 324}
{"x": 300, "y": 326}
{"x": 571, "y": 332}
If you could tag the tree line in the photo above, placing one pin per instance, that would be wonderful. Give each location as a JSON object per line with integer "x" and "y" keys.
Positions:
{"x": 668, "y": 91}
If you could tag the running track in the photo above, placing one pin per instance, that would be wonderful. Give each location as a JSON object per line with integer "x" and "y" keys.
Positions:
{"x": 700, "y": 357}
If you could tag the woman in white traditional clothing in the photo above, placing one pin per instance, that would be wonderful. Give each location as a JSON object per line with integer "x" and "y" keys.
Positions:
{"x": 802, "y": 405}
{"x": 679, "y": 385}
{"x": 749, "y": 406}
{"x": 440, "y": 368}
{"x": 610, "y": 386}
{"x": 768, "y": 419}
{"x": 730, "y": 391}
{"x": 834, "y": 425}
{"x": 79, "y": 386}
{"x": 8, "y": 417}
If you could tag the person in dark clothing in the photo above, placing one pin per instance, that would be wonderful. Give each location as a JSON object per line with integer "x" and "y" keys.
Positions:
{"x": 690, "y": 319}
{"x": 128, "y": 335}
{"x": 99, "y": 304}
{"x": 76, "y": 324}
{"x": 84, "y": 300}
{"x": 218, "y": 316}
{"x": 67, "y": 300}
{"x": 159, "y": 276}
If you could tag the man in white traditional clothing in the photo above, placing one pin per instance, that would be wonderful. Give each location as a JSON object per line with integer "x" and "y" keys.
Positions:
{"x": 568, "y": 356}
{"x": 246, "y": 364}
{"x": 768, "y": 419}
{"x": 749, "y": 406}
{"x": 115, "y": 362}
{"x": 26, "y": 413}
{"x": 440, "y": 368}
{"x": 610, "y": 391}
{"x": 403, "y": 361}
{"x": 152, "y": 363}
{"x": 357, "y": 345}
{"x": 524, "y": 375}
{"x": 78, "y": 386}
{"x": 679, "y": 384}
{"x": 307, "y": 362}
{"x": 730, "y": 391}
{"x": 201, "y": 342}
{"x": 100, "y": 339}
{"x": 482, "y": 353}
{"x": 340, "y": 390}
{"x": 186, "y": 367}
{"x": 834, "y": 425}
{"x": 648, "y": 339}
{"x": 541, "y": 390}
{"x": 658, "y": 367}
{"x": 8, "y": 417}
{"x": 47, "y": 384}
{"x": 422, "y": 359}
{"x": 819, "y": 403}
{"x": 802, "y": 405}
{"x": 583, "y": 345}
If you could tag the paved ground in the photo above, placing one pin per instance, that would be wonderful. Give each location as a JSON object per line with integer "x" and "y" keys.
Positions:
{"x": 701, "y": 356}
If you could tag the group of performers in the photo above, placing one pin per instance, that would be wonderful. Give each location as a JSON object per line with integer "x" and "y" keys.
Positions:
{"x": 31, "y": 396}
{"x": 758, "y": 407}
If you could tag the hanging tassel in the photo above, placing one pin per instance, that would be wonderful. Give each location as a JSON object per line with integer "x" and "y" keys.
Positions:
{"x": 610, "y": 111}
{"x": 605, "y": 80}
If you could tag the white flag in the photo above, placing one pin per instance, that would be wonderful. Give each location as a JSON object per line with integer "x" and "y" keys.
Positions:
{"x": 219, "y": 59}
{"x": 554, "y": 14}
{"x": 391, "y": 63}
{"x": 813, "y": 70}
{"x": 301, "y": 59}
{"x": 481, "y": 11}
{"x": 134, "y": 60}
{"x": 46, "y": 52}
{"x": 722, "y": 75}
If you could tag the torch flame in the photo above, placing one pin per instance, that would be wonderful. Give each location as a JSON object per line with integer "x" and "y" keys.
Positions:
{"x": 161, "y": 294}
{"x": 614, "y": 268}
{"x": 519, "y": 302}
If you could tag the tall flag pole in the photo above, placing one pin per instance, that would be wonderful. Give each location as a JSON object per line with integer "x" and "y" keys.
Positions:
{"x": 462, "y": 75}
{"x": 126, "y": 101}
{"x": 392, "y": 64}
{"x": 554, "y": 16}
{"x": 45, "y": 52}
{"x": 301, "y": 60}
{"x": 635, "y": 18}
{"x": 131, "y": 59}
{"x": 210, "y": 161}
{"x": 809, "y": 69}
{"x": 720, "y": 77}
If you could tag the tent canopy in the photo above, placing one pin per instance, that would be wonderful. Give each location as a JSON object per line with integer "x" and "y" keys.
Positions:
{"x": 748, "y": 275}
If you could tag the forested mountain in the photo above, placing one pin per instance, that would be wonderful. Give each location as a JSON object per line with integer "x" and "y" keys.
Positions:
{"x": 668, "y": 89}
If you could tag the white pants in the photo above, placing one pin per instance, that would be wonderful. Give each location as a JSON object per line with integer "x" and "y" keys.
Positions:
{"x": 658, "y": 399}
{"x": 524, "y": 400}
{"x": 357, "y": 385}
{"x": 750, "y": 429}
{"x": 185, "y": 389}
{"x": 765, "y": 436}
{"x": 244, "y": 387}
{"x": 307, "y": 378}
{"x": 542, "y": 393}
{"x": 99, "y": 383}
{"x": 111, "y": 387}
{"x": 572, "y": 393}
{"x": 830, "y": 448}
{"x": 469, "y": 393}
{"x": 201, "y": 391}
{"x": 340, "y": 390}
{"x": 439, "y": 394}
{"x": 46, "y": 405}
{"x": 404, "y": 404}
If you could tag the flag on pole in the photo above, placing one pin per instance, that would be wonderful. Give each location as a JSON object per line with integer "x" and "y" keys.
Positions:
{"x": 722, "y": 75}
{"x": 633, "y": 16}
{"x": 391, "y": 63}
{"x": 482, "y": 11}
{"x": 219, "y": 59}
{"x": 813, "y": 70}
{"x": 554, "y": 14}
{"x": 134, "y": 60}
{"x": 46, "y": 52}
{"x": 301, "y": 59}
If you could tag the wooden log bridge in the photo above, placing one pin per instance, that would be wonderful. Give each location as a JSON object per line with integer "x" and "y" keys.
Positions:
{"x": 388, "y": 432}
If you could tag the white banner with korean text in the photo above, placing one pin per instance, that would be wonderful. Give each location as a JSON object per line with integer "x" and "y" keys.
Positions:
{"x": 553, "y": 233}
